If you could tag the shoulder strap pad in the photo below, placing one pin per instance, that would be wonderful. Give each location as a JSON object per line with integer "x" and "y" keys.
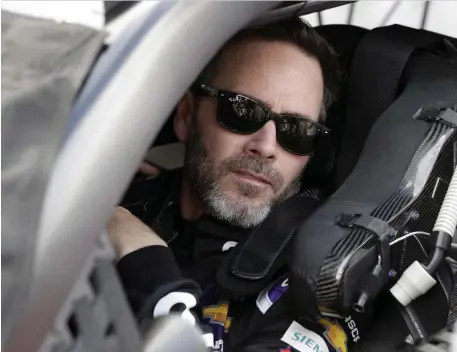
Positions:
{"x": 254, "y": 262}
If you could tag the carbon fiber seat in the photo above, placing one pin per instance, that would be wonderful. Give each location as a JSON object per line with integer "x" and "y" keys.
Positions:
{"x": 391, "y": 176}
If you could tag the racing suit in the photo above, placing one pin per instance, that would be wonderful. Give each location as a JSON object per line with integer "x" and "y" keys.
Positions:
{"x": 181, "y": 278}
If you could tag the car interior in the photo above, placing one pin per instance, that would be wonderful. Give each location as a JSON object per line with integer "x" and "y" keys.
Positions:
{"x": 397, "y": 82}
{"x": 377, "y": 67}
{"x": 380, "y": 69}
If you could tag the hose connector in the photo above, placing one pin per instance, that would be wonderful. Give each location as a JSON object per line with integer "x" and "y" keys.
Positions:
{"x": 414, "y": 282}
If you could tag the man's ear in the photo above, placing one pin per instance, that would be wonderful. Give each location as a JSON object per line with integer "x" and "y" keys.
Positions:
{"x": 184, "y": 115}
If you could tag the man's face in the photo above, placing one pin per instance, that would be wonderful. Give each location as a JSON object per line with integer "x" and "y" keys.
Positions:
{"x": 240, "y": 177}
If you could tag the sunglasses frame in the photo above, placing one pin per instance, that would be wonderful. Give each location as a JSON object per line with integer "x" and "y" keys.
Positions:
{"x": 270, "y": 115}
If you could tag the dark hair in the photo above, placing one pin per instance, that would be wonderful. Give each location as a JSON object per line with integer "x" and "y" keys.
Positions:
{"x": 299, "y": 33}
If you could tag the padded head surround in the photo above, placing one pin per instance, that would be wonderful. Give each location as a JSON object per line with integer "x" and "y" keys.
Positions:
{"x": 374, "y": 84}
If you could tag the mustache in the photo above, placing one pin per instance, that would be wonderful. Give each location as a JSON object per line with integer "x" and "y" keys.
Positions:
{"x": 254, "y": 165}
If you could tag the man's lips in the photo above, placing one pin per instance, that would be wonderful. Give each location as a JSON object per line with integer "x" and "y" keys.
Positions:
{"x": 253, "y": 176}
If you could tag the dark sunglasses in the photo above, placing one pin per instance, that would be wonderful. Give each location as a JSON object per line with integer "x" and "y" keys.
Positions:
{"x": 244, "y": 115}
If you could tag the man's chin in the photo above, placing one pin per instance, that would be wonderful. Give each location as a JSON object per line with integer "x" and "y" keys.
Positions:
{"x": 241, "y": 198}
{"x": 238, "y": 209}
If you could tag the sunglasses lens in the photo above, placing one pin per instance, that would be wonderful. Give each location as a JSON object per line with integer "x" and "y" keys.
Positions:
{"x": 241, "y": 115}
{"x": 297, "y": 135}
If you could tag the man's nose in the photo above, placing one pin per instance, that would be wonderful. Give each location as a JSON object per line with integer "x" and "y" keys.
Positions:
{"x": 263, "y": 142}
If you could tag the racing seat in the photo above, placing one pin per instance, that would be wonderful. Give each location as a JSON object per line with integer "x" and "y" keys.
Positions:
{"x": 388, "y": 83}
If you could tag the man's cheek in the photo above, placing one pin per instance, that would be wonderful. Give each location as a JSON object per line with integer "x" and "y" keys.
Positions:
{"x": 227, "y": 181}
{"x": 298, "y": 171}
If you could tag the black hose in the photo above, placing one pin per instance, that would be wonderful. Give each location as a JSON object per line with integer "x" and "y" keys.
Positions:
{"x": 436, "y": 259}
{"x": 442, "y": 244}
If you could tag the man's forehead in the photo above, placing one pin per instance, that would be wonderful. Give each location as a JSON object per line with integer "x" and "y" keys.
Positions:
{"x": 277, "y": 73}
{"x": 245, "y": 57}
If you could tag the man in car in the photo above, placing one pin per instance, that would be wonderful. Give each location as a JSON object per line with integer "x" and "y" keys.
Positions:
{"x": 250, "y": 125}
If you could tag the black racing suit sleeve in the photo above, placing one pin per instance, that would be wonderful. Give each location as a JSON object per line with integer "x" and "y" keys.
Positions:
{"x": 154, "y": 287}
{"x": 148, "y": 271}
{"x": 150, "y": 274}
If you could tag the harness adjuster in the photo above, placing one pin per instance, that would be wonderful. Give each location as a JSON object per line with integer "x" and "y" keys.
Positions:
{"x": 368, "y": 223}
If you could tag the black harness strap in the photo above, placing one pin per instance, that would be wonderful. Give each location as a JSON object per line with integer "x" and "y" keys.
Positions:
{"x": 255, "y": 261}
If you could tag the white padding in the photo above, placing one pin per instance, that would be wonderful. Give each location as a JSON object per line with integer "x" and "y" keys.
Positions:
{"x": 414, "y": 282}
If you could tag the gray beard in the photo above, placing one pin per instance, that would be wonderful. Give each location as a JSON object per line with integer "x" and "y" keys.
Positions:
{"x": 247, "y": 213}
